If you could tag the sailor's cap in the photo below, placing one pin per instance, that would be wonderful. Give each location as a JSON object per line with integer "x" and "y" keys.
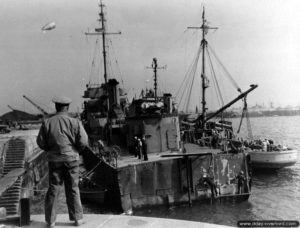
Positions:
{"x": 61, "y": 100}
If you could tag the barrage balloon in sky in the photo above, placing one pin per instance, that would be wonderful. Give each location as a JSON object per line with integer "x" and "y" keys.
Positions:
{"x": 48, "y": 26}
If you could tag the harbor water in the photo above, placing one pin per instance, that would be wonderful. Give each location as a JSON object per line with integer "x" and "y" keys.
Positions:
{"x": 275, "y": 194}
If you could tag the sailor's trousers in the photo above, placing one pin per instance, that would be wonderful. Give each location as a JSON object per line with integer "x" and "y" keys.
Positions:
{"x": 66, "y": 173}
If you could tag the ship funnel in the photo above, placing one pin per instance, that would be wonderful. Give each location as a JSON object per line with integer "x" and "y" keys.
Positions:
{"x": 168, "y": 102}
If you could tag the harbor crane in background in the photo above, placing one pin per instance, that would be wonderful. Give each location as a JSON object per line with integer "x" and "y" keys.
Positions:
{"x": 10, "y": 108}
{"x": 37, "y": 106}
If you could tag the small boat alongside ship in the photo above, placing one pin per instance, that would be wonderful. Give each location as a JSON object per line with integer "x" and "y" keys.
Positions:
{"x": 273, "y": 157}
{"x": 264, "y": 154}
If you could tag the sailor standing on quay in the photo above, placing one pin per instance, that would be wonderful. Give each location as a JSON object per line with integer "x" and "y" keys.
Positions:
{"x": 62, "y": 137}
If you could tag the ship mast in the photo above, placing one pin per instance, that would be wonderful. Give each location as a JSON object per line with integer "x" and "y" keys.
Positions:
{"x": 102, "y": 31}
{"x": 203, "y": 77}
{"x": 204, "y": 27}
{"x": 101, "y": 19}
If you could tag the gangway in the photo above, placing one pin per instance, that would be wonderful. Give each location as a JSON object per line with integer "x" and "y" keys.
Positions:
{"x": 12, "y": 176}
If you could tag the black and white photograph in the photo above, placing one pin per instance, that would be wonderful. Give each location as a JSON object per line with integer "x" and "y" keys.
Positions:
{"x": 148, "y": 113}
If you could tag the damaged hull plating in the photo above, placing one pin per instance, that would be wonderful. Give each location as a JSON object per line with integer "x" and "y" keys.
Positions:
{"x": 165, "y": 180}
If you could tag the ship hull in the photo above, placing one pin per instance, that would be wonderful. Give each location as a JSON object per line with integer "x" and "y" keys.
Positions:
{"x": 163, "y": 180}
{"x": 92, "y": 195}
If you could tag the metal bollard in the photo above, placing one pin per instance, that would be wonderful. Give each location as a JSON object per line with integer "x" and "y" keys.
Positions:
{"x": 24, "y": 212}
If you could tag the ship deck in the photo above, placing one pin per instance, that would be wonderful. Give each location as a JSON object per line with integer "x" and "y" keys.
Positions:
{"x": 129, "y": 159}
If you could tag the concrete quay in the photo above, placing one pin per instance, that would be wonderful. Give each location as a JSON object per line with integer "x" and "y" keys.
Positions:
{"x": 119, "y": 221}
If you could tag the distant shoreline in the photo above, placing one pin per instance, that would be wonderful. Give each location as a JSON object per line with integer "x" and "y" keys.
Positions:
{"x": 266, "y": 113}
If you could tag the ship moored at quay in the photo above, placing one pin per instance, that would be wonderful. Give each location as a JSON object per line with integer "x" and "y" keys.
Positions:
{"x": 177, "y": 169}
{"x": 150, "y": 151}
{"x": 147, "y": 153}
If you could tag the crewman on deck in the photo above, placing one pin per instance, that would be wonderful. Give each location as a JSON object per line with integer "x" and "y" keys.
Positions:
{"x": 101, "y": 148}
{"x": 63, "y": 137}
{"x": 139, "y": 148}
{"x": 144, "y": 148}
{"x": 136, "y": 146}
{"x": 264, "y": 145}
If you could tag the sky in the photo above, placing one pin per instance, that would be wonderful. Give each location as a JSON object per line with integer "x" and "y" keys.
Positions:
{"x": 257, "y": 40}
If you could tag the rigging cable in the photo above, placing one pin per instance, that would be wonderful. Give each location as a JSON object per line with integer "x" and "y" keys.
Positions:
{"x": 189, "y": 84}
{"x": 225, "y": 70}
{"x": 250, "y": 134}
{"x": 94, "y": 71}
{"x": 194, "y": 73}
{"x": 93, "y": 61}
{"x": 216, "y": 85}
{"x": 241, "y": 121}
{"x": 186, "y": 77}
{"x": 187, "y": 74}
{"x": 117, "y": 63}
{"x": 181, "y": 92}
{"x": 87, "y": 60}
{"x": 113, "y": 73}
{"x": 110, "y": 71}
{"x": 189, "y": 89}
{"x": 218, "y": 95}
{"x": 245, "y": 113}
{"x": 218, "y": 91}
{"x": 185, "y": 91}
{"x": 187, "y": 80}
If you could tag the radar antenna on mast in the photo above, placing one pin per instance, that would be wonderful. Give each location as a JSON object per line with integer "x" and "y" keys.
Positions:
{"x": 155, "y": 68}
